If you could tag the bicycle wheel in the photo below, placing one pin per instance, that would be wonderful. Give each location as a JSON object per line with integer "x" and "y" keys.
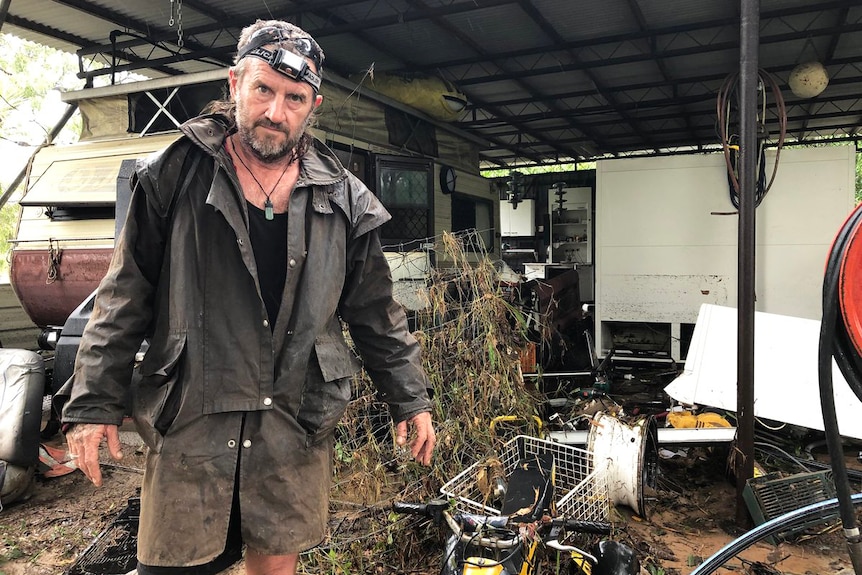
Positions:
{"x": 822, "y": 510}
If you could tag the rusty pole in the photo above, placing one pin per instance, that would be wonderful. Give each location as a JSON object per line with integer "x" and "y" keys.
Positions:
{"x": 748, "y": 80}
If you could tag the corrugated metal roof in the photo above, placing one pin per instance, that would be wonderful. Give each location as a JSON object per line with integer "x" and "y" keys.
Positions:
{"x": 548, "y": 80}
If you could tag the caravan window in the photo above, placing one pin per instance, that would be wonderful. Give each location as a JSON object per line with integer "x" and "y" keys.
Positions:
{"x": 406, "y": 188}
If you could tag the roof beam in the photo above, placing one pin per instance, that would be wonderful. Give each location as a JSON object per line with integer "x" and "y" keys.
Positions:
{"x": 548, "y": 29}
{"x": 467, "y": 41}
{"x": 660, "y": 64}
{"x": 666, "y": 54}
{"x": 830, "y": 54}
{"x": 645, "y": 106}
{"x": 692, "y": 80}
{"x": 653, "y": 34}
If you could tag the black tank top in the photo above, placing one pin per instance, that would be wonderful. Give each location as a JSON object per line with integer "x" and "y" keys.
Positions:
{"x": 269, "y": 244}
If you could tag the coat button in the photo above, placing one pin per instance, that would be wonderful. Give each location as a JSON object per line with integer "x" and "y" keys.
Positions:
{"x": 246, "y": 443}
{"x": 267, "y": 401}
{"x": 239, "y": 241}
{"x": 231, "y": 443}
{"x": 292, "y": 263}
{"x": 265, "y": 323}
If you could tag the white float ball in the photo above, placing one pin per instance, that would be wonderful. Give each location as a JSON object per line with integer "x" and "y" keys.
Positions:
{"x": 808, "y": 79}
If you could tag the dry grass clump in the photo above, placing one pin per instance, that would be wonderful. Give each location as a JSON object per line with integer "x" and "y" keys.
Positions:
{"x": 471, "y": 334}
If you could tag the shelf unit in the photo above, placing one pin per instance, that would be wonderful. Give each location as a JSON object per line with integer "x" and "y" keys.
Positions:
{"x": 571, "y": 227}
{"x": 571, "y": 238}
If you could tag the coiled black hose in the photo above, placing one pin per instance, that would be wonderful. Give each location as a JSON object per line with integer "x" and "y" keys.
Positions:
{"x": 835, "y": 342}
{"x": 723, "y": 113}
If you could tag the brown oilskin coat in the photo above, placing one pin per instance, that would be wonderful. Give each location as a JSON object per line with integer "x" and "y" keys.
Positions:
{"x": 222, "y": 397}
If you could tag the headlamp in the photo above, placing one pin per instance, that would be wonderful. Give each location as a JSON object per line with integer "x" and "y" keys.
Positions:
{"x": 284, "y": 61}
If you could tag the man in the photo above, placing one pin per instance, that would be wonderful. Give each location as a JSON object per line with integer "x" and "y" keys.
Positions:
{"x": 245, "y": 246}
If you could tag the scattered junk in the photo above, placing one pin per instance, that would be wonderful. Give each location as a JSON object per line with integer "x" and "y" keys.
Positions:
{"x": 603, "y": 446}
{"x": 709, "y": 376}
{"x": 581, "y": 488}
{"x": 55, "y": 462}
{"x": 629, "y": 454}
{"x": 772, "y": 495}
{"x": 548, "y": 493}
{"x": 114, "y": 550}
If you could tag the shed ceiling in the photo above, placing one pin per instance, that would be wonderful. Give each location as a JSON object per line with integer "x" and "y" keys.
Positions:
{"x": 548, "y": 81}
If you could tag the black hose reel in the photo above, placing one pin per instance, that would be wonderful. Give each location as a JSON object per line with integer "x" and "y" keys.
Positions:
{"x": 841, "y": 339}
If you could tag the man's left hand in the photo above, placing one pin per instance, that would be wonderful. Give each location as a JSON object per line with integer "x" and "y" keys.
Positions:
{"x": 422, "y": 445}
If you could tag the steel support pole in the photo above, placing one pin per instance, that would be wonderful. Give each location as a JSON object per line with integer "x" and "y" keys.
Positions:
{"x": 748, "y": 80}
{"x": 4, "y": 11}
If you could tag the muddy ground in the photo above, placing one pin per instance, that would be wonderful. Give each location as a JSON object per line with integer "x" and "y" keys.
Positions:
{"x": 690, "y": 517}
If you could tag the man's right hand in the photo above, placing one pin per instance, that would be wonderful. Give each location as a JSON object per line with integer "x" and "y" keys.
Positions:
{"x": 84, "y": 440}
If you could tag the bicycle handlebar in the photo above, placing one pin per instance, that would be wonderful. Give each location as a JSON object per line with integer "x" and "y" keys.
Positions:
{"x": 593, "y": 527}
{"x": 468, "y": 522}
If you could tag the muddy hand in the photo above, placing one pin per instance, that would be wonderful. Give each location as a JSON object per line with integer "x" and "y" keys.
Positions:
{"x": 84, "y": 440}
{"x": 422, "y": 445}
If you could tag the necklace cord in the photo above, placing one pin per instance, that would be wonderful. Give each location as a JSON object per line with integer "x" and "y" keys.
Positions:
{"x": 267, "y": 205}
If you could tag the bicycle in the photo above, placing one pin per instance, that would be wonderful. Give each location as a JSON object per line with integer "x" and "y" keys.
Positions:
{"x": 501, "y": 512}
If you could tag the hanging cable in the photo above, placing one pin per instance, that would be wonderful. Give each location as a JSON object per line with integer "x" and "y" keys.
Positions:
{"x": 729, "y": 140}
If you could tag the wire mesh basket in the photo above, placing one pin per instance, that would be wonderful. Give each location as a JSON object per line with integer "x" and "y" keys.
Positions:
{"x": 580, "y": 492}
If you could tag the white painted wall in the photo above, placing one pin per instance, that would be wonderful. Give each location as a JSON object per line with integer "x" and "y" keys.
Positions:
{"x": 664, "y": 244}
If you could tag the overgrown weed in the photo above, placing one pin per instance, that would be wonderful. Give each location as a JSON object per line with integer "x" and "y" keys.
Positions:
{"x": 472, "y": 335}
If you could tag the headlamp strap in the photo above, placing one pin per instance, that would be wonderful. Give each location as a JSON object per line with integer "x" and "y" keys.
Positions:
{"x": 287, "y": 63}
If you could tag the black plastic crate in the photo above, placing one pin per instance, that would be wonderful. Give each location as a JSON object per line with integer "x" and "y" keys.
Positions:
{"x": 773, "y": 495}
{"x": 114, "y": 550}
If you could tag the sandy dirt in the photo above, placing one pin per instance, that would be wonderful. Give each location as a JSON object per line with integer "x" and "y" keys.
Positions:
{"x": 44, "y": 534}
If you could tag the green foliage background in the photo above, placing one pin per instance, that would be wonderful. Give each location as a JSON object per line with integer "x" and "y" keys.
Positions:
{"x": 28, "y": 74}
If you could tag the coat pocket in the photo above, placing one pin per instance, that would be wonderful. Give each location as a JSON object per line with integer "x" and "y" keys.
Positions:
{"x": 327, "y": 389}
{"x": 158, "y": 394}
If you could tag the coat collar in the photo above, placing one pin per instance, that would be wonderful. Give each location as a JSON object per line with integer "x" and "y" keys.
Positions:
{"x": 319, "y": 166}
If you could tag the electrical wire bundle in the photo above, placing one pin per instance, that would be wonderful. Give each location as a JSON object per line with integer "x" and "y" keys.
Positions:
{"x": 731, "y": 149}
{"x": 841, "y": 338}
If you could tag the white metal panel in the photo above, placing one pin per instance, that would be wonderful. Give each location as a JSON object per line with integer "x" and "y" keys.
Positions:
{"x": 666, "y": 235}
{"x": 77, "y": 182}
{"x": 518, "y": 221}
{"x": 786, "y": 386}
{"x": 409, "y": 265}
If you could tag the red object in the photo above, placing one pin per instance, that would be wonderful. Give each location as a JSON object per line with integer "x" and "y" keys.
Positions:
{"x": 850, "y": 287}
{"x": 48, "y": 291}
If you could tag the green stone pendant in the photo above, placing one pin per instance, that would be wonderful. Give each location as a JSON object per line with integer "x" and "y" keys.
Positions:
{"x": 268, "y": 210}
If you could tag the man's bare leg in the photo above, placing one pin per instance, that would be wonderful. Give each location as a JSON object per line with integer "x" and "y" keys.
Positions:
{"x": 257, "y": 564}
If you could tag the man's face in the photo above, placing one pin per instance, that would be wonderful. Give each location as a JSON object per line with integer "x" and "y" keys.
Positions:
{"x": 272, "y": 111}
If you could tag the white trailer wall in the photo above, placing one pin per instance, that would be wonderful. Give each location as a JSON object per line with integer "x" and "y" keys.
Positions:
{"x": 665, "y": 244}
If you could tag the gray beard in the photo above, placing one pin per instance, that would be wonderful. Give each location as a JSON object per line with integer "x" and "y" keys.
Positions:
{"x": 267, "y": 150}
